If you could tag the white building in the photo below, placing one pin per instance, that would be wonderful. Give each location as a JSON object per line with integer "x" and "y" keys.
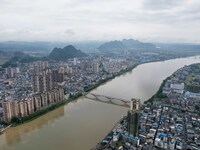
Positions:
{"x": 192, "y": 95}
{"x": 177, "y": 88}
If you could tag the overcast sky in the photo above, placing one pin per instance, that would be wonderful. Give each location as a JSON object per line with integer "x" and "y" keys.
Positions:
{"x": 82, "y": 20}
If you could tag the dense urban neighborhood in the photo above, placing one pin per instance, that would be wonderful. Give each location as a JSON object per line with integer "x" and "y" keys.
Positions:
{"x": 169, "y": 120}
{"x": 30, "y": 89}
{"x": 99, "y": 75}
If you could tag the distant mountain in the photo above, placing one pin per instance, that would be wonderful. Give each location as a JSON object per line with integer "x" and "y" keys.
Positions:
{"x": 41, "y": 47}
{"x": 65, "y": 53}
{"x": 19, "y": 57}
{"x": 125, "y": 44}
{"x": 135, "y": 44}
{"x": 46, "y": 47}
{"x": 112, "y": 46}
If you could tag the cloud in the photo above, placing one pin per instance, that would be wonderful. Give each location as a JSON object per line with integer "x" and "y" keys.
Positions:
{"x": 69, "y": 32}
{"x": 99, "y": 20}
{"x": 162, "y": 4}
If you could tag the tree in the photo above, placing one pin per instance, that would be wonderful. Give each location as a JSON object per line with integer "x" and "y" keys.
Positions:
{"x": 15, "y": 120}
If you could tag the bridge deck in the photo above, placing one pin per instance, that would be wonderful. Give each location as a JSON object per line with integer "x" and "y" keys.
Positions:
{"x": 108, "y": 100}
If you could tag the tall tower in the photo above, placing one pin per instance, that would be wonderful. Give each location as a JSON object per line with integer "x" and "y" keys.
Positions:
{"x": 45, "y": 65}
{"x": 7, "y": 111}
{"x": 58, "y": 75}
{"x": 41, "y": 65}
{"x": 10, "y": 110}
{"x": 83, "y": 65}
{"x": 133, "y": 117}
{"x": 135, "y": 104}
{"x": 48, "y": 82}
{"x": 42, "y": 81}
{"x": 95, "y": 66}
{"x": 36, "y": 87}
{"x": 10, "y": 72}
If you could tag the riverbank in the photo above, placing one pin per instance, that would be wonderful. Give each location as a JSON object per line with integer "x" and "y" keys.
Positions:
{"x": 178, "y": 106}
{"x": 18, "y": 121}
{"x": 158, "y": 94}
{"x": 64, "y": 126}
{"x": 92, "y": 87}
{"x": 99, "y": 146}
{"x": 4, "y": 129}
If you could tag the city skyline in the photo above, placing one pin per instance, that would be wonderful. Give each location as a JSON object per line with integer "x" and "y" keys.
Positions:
{"x": 147, "y": 20}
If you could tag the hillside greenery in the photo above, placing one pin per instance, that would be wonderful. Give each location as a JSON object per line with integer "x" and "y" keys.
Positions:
{"x": 65, "y": 53}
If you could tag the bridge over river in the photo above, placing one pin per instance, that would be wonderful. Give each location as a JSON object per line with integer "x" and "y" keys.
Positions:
{"x": 107, "y": 99}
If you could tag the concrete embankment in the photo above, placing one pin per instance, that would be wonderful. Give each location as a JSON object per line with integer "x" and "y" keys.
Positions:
{"x": 2, "y": 130}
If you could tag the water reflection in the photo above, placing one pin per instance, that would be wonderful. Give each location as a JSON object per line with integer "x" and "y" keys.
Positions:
{"x": 15, "y": 134}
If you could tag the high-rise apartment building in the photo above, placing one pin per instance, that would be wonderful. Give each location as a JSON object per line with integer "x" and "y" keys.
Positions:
{"x": 40, "y": 66}
{"x": 14, "y": 108}
{"x": 23, "y": 110}
{"x": 7, "y": 116}
{"x": 57, "y": 75}
{"x": 49, "y": 98}
{"x": 44, "y": 100}
{"x": 10, "y": 109}
{"x": 37, "y": 102}
{"x": 132, "y": 117}
{"x": 135, "y": 104}
{"x": 11, "y": 72}
{"x": 42, "y": 81}
{"x": 95, "y": 66}
{"x": 83, "y": 64}
{"x": 31, "y": 104}
{"x": 49, "y": 82}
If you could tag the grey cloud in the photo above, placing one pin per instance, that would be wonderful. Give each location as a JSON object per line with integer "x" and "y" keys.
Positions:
{"x": 69, "y": 32}
{"x": 162, "y": 4}
{"x": 74, "y": 19}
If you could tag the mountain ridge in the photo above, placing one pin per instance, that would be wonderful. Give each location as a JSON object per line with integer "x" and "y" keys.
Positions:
{"x": 125, "y": 44}
{"x": 65, "y": 53}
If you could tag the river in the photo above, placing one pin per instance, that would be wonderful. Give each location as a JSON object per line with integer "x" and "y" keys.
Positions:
{"x": 83, "y": 123}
